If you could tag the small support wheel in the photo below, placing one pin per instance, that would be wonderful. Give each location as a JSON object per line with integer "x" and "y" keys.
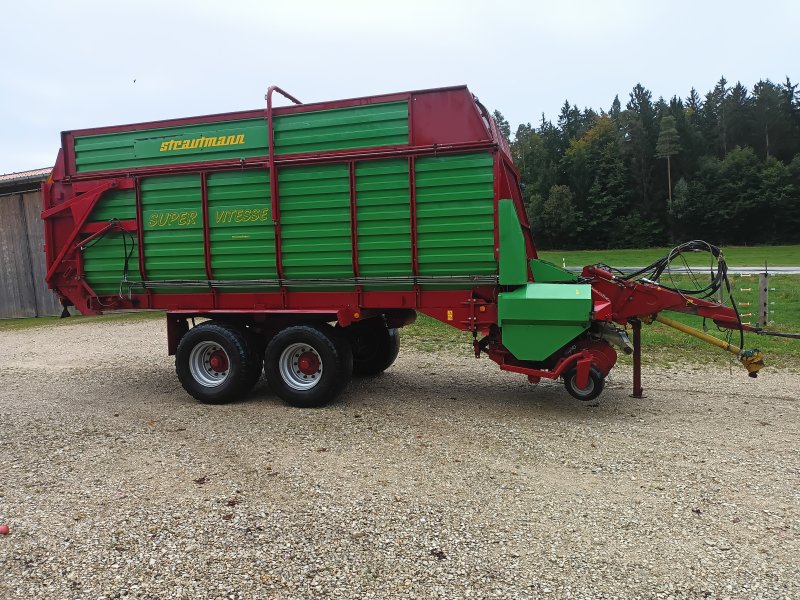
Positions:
{"x": 594, "y": 385}
{"x": 214, "y": 363}
{"x": 308, "y": 365}
{"x": 375, "y": 346}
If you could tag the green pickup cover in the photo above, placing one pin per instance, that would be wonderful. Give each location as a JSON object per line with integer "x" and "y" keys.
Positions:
{"x": 540, "y": 318}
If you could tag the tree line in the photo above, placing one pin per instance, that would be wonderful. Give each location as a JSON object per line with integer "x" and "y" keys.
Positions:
{"x": 724, "y": 167}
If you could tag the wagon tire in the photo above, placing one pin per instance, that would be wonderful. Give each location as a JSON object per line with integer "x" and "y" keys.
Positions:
{"x": 308, "y": 366}
{"x": 594, "y": 385}
{"x": 375, "y": 346}
{"x": 214, "y": 363}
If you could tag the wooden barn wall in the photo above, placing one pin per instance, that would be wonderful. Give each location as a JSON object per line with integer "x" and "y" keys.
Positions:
{"x": 23, "y": 292}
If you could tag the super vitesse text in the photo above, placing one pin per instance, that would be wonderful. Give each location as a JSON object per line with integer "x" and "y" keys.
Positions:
{"x": 202, "y": 142}
{"x": 188, "y": 218}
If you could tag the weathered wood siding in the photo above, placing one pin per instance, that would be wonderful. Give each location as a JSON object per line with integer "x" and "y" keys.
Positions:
{"x": 23, "y": 292}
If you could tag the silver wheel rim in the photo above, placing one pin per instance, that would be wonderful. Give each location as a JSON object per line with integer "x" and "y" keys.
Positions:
{"x": 290, "y": 369}
{"x": 200, "y": 364}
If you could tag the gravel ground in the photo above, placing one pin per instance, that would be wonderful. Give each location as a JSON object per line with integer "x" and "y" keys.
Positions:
{"x": 443, "y": 478}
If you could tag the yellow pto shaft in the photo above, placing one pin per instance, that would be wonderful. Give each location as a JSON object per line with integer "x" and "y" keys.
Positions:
{"x": 752, "y": 360}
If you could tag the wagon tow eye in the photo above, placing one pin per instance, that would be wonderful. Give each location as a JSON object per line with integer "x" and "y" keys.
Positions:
{"x": 752, "y": 360}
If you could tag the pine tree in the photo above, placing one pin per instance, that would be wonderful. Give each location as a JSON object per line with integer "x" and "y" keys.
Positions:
{"x": 668, "y": 145}
{"x": 502, "y": 124}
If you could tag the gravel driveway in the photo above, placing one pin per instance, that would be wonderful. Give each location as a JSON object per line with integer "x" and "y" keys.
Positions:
{"x": 443, "y": 478}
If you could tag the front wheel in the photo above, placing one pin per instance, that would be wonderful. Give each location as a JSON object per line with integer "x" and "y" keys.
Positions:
{"x": 594, "y": 384}
{"x": 214, "y": 363}
{"x": 308, "y": 366}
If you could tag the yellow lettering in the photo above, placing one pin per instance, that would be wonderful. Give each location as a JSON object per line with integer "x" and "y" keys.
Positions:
{"x": 239, "y": 139}
{"x": 192, "y": 217}
{"x": 231, "y": 140}
{"x": 221, "y": 140}
{"x": 153, "y": 220}
{"x": 209, "y": 142}
{"x": 163, "y": 147}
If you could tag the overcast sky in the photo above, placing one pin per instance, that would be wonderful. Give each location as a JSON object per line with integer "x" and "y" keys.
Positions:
{"x": 72, "y": 64}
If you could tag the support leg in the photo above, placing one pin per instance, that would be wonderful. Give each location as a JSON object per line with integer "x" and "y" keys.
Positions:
{"x": 637, "y": 359}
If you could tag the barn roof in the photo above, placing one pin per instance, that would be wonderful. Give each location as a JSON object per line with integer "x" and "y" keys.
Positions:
{"x": 23, "y": 180}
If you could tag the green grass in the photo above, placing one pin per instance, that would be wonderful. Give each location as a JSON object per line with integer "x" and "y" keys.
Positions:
{"x": 736, "y": 256}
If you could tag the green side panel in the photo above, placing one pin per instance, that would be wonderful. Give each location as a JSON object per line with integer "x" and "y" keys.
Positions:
{"x": 540, "y": 318}
{"x": 173, "y": 228}
{"x": 366, "y": 126}
{"x": 455, "y": 215}
{"x": 115, "y": 204}
{"x": 171, "y": 145}
{"x": 547, "y": 272}
{"x": 513, "y": 258}
{"x": 383, "y": 211}
{"x": 241, "y": 230}
{"x": 315, "y": 222}
{"x": 104, "y": 259}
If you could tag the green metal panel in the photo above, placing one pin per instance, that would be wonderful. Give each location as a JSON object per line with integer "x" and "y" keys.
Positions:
{"x": 365, "y": 126}
{"x": 315, "y": 222}
{"x": 547, "y": 272}
{"x": 170, "y": 145}
{"x": 383, "y": 212}
{"x": 104, "y": 258}
{"x": 173, "y": 228}
{"x": 455, "y": 215}
{"x": 540, "y": 318}
{"x": 241, "y": 230}
{"x": 513, "y": 258}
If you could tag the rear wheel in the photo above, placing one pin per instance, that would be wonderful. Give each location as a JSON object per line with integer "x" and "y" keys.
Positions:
{"x": 214, "y": 363}
{"x": 375, "y": 346}
{"x": 308, "y": 366}
{"x": 594, "y": 385}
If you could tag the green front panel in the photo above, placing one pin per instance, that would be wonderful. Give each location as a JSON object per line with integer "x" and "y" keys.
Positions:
{"x": 455, "y": 215}
{"x": 513, "y": 256}
{"x": 171, "y": 145}
{"x": 241, "y": 230}
{"x": 383, "y": 212}
{"x": 315, "y": 222}
{"x": 538, "y": 319}
{"x": 104, "y": 258}
{"x": 173, "y": 228}
{"x": 342, "y": 128}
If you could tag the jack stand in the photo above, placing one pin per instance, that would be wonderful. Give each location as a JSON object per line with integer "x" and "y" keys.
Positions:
{"x": 638, "y": 392}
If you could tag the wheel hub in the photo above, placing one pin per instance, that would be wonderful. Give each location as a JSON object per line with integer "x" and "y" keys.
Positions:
{"x": 308, "y": 363}
{"x": 209, "y": 364}
{"x": 300, "y": 366}
{"x": 218, "y": 361}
